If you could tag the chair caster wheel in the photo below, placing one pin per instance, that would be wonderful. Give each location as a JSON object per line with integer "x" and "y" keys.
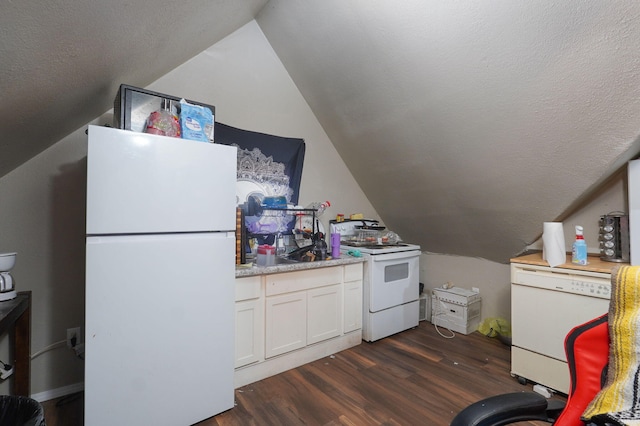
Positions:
{"x": 522, "y": 380}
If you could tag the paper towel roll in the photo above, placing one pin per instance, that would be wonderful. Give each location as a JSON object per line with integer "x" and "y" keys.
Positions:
{"x": 553, "y": 247}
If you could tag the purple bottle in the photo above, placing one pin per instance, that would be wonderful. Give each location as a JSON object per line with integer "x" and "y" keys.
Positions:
{"x": 335, "y": 245}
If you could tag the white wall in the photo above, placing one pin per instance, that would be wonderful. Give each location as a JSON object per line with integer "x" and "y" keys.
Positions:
{"x": 493, "y": 279}
{"x": 42, "y": 202}
{"x": 265, "y": 99}
{"x": 611, "y": 198}
{"x": 42, "y": 218}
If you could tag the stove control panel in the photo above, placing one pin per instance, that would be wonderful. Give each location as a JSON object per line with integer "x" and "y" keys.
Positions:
{"x": 350, "y": 227}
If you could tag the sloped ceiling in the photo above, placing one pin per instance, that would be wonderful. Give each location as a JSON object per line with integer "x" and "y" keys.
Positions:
{"x": 62, "y": 61}
{"x": 467, "y": 123}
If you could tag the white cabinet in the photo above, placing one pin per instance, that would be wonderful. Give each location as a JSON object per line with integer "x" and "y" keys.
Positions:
{"x": 286, "y": 319}
{"x": 324, "y": 313}
{"x": 352, "y": 298}
{"x": 310, "y": 314}
{"x": 286, "y": 323}
{"x": 352, "y": 306}
{"x": 249, "y": 346}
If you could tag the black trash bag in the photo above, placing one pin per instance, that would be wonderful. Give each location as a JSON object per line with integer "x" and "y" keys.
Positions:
{"x": 20, "y": 411}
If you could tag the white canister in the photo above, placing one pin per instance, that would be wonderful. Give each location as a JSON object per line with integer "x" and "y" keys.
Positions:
{"x": 266, "y": 255}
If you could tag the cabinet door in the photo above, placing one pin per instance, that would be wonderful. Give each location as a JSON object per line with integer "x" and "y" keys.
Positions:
{"x": 249, "y": 332}
{"x": 352, "y": 306}
{"x": 324, "y": 319}
{"x": 286, "y": 324}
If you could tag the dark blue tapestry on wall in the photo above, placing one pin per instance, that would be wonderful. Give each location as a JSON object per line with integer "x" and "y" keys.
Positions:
{"x": 267, "y": 164}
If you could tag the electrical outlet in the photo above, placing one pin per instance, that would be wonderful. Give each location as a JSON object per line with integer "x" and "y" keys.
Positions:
{"x": 79, "y": 349}
{"x": 5, "y": 374}
{"x": 475, "y": 289}
{"x": 71, "y": 334}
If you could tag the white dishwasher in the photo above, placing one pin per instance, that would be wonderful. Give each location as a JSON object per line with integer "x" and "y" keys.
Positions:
{"x": 546, "y": 303}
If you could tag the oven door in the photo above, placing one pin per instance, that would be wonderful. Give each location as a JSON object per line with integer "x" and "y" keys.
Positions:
{"x": 393, "y": 279}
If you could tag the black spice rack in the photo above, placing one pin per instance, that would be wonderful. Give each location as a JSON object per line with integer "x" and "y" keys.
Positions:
{"x": 284, "y": 211}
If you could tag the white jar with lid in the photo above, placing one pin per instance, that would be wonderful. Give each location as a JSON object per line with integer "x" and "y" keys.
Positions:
{"x": 266, "y": 255}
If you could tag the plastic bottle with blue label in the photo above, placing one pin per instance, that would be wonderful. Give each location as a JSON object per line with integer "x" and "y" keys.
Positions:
{"x": 579, "y": 256}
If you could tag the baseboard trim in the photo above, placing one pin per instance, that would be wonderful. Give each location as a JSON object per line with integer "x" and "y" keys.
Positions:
{"x": 266, "y": 368}
{"x": 58, "y": 392}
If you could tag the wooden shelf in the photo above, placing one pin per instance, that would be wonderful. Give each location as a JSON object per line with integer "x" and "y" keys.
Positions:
{"x": 15, "y": 319}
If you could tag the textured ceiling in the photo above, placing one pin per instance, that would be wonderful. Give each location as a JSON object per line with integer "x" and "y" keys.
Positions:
{"x": 467, "y": 123}
{"x": 61, "y": 61}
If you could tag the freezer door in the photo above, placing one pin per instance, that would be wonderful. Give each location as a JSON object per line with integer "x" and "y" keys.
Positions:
{"x": 141, "y": 183}
{"x": 159, "y": 329}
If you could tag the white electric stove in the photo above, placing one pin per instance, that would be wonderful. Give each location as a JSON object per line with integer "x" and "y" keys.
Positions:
{"x": 391, "y": 277}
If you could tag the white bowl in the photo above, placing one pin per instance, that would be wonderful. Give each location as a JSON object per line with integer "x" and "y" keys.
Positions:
{"x": 7, "y": 260}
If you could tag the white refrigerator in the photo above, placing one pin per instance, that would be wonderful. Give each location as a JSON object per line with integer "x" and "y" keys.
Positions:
{"x": 160, "y": 256}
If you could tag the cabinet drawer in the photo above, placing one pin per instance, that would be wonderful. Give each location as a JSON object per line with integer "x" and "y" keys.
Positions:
{"x": 303, "y": 280}
{"x": 353, "y": 272}
{"x": 540, "y": 369}
{"x": 248, "y": 288}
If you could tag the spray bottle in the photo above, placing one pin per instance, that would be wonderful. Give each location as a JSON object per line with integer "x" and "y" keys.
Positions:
{"x": 579, "y": 248}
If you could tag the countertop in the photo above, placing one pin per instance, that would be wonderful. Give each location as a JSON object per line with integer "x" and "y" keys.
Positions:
{"x": 249, "y": 271}
{"x": 595, "y": 263}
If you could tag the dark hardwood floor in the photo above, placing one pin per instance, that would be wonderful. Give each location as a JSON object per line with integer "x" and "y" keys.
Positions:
{"x": 413, "y": 378}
